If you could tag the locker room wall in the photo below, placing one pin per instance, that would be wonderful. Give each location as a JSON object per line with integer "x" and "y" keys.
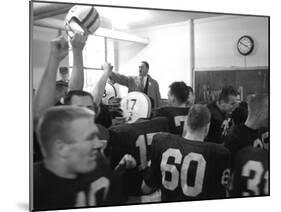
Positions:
{"x": 216, "y": 41}
{"x": 167, "y": 54}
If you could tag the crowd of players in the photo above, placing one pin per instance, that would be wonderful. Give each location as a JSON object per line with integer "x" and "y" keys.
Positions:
{"x": 185, "y": 151}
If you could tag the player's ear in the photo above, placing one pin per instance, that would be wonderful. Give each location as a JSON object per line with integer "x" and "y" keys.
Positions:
{"x": 61, "y": 148}
{"x": 173, "y": 99}
{"x": 184, "y": 131}
{"x": 207, "y": 129}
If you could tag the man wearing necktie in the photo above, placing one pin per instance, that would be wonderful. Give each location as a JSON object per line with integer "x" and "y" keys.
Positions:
{"x": 142, "y": 83}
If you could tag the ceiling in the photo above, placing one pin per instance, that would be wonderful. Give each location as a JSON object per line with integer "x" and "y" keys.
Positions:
{"x": 130, "y": 19}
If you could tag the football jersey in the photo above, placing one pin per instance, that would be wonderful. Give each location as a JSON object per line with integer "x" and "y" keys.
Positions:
{"x": 241, "y": 136}
{"x": 187, "y": 170}
{"x": 177, "y": 118}
{"x": 239, "y": 115}
{"x": 137, "y": 142}
{"x": 250, "y": 173}
{"x": 121, "y": 141}
{"x": 99, "y": 187}
{"x": 218, "y": 125}
{"x": 104, "y": 117}
{"x": 37, "y": 153}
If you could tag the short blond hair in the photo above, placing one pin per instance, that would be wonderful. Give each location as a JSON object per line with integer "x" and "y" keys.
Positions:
{"x": 54, "y": 124}
{"x": 198, "y": 117}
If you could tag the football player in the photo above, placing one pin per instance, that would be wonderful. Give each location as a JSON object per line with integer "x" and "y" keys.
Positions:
{"x": 220, "y": 112}
{"x": 188, "y": 168}
{"x": 48, "y": 93}
{"x": 135, "y": 139}
{"x": 253, "y": 132}
{"x": 180, "y": 98}
{"x": 74, "y": 172}
{"x": 240, "y": 113}
{"x": 250, "y": 173}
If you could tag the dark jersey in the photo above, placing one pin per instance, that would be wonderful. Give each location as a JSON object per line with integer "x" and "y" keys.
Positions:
{"x": 37, "y": 153}
{"x": 177, "y": 118}
{"x": 100, "y": 187}
{"x": 239, "y": 115}
{"x": 241, "y": 136}
{"x": 121, "y": 141}
{"x": 218, "y": 125}
{"x": 104, "y": 117}
{"x": 135, "y": 139}
{"x": 250, "y": 173}
{"x": 187, "y": 170}
{"x": 145, "y": 131}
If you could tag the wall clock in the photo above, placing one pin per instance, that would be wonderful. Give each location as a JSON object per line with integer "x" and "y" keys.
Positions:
{"x": 245, "y": 45}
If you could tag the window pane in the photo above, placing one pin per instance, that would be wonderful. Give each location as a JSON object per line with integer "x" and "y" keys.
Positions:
{"x": 94, "y": 52}
{"x": 91, "y": 79}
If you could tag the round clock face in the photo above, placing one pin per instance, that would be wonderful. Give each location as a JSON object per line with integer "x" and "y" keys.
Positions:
{"x": 245, "y": 45}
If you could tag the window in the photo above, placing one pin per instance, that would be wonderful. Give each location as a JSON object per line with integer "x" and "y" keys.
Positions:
{"x": 97, "y": 51}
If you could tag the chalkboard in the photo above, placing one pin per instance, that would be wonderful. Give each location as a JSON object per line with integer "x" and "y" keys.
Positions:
{"x": 208, "y": 84}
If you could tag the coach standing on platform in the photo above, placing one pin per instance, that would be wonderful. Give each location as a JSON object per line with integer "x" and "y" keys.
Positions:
{"x": 143, "y": 83}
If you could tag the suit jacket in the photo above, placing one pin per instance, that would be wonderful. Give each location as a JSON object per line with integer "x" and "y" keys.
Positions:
{"x": 134, "y": 84}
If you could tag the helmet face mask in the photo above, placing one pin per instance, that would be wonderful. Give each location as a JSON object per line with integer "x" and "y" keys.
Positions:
{"x": 73, "y": 27}
{"x": 82, "y": 19}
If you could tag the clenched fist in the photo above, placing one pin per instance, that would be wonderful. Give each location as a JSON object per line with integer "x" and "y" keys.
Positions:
{"x": 59, "y": 48}
{"x": 78, "y": 41}
{"x": 128, "y": 162}
{"x": 107, "y": 67}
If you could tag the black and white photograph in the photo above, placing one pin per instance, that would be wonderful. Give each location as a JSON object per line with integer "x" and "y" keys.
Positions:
{"x": 137, "y": 105}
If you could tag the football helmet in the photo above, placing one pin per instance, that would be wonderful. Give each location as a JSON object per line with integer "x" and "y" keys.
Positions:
{"x": 82, "y": 19}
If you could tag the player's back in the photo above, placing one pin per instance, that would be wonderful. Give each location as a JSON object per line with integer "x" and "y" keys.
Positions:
{"x": 188, "y": 170}
{"x": 177, "y": 117}
{"x": 241, "y": 136}
{"x": 145, "y": 131}
{"x": 137, "y": 143}
{"x": 250, "y": 172}
{"x": 122, "y": 140}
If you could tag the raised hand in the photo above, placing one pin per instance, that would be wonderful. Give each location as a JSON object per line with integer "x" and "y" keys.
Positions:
{"x": 107, "y": 67}
{"x": 78, "y": 41}
{"x": 59, "y": 48}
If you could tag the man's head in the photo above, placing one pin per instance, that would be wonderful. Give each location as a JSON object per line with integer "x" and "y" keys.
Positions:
{"x": 61, "y": 90}
{"x": 64, "y": 74}
{"x": 82, "y": 99}
{"x": 258, "y": 109}
{"x": 143, "y": 68}
{"x": 191, "y": 96}
{"x": 228, "y": 99}
{"x": 178, "y": 94}
{"x": 198, "y": 120}
{"x": 69, "y": 137}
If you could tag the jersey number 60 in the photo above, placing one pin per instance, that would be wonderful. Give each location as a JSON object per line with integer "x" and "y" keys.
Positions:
{"x": 188, "y": 190}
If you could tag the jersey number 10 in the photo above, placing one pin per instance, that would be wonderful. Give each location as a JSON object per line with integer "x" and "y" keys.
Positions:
{"x": 102, "y": 184}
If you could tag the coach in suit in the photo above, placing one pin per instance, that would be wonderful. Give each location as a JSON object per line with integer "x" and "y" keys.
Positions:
{"x": 143, "y": 83}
